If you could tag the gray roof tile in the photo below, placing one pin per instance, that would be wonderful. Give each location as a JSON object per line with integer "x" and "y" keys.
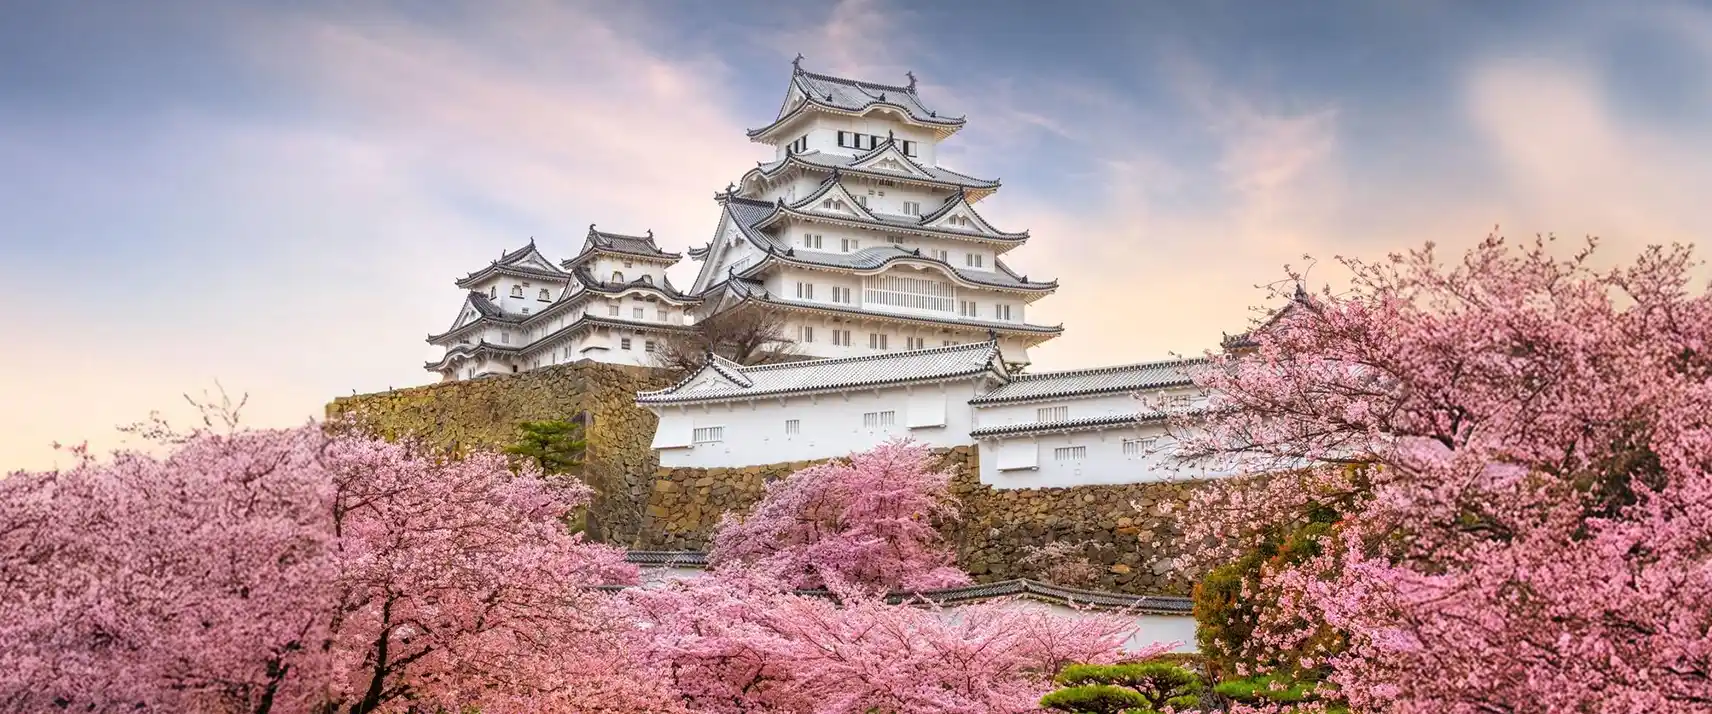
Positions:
{"x": 842, "y": 162}
{"x": 852, "y": 95}
{"x": 739, "y": 381}
{"x": 1100, "y": 380}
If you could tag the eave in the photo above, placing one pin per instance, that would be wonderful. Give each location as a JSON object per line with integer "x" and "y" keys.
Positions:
{"x": 770, "y": 134}
{"x": 1031, "y": 334}
{"x": 1099, "y": 423}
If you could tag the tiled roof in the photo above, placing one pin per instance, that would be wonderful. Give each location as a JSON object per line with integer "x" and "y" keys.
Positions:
{"x": 855, "y": 96}
{"x": 1299, "y": 299}
{"x": 970, "y": 322}
{"x": 641, "y": 246}
{"x": 512, "y": 263}
{"x": 485, "y": 306}
{"x": 1100, "y": 380}
{"x": 643, "y": 282}
{"x": 915, "y": 223}
{"x": 747, "y": 213}
{"x": 1084, "y": 424}
{"x": 842, "y": 162}
{"x": 1018, "y": 588}
{"x": 737, "y": 381}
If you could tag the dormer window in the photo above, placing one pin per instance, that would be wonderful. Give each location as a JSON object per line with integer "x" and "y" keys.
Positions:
{"x": 517, "y": 291}
{"x": 617, "y": 277}
{"x": 493, "y": 292}
{"x": 544, "y": 295}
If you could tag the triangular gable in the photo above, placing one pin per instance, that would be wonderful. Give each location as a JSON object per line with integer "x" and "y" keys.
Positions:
{"x": 716, "y": 250}
{"x": 888, "y": 157}
{"x": 531, "y": 258}
{"x": 957, "y": 215}
{"x": 833, "y": 200}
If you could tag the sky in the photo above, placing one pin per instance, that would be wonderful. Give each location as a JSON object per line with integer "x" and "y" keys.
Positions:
{"x": 273, "y": 199}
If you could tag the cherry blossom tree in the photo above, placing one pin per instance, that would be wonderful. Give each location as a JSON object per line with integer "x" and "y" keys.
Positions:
{"x": 738, "y": 643}
{"x": 868, "y": 523}
{"x": 1528, "y": 523}
{"x": 297, "y": 570}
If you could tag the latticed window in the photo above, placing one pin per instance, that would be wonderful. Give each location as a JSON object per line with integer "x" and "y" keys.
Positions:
{"x": 1052, "y": 413}
{"x": 915, "y": 293}
{"x": 1138, "y": 447}
{"x": 708, "y": 434}
{"x": 874, "y": 420}
{"x": 793, "y": 426}
{"x": 1070, "y": 453}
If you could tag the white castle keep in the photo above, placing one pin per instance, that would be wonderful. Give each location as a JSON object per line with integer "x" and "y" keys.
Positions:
{"x": 885, "y": 277}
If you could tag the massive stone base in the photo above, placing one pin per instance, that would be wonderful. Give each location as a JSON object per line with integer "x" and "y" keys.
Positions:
{"x": 1132, "y": 527}
{"x": 484, "y": 414}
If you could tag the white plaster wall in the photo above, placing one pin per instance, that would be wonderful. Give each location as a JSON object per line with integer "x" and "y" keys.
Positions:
{"x": 822, "y": 132}
{"x": 1104, "y": 462}
{"x": 831, "y": 425}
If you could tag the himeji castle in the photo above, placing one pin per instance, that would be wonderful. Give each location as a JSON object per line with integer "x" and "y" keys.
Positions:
{"x": 857, "y": 234}
{"x": 610, "y": 303}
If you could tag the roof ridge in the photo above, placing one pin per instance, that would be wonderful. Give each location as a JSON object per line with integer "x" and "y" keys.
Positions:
{"x": 989, "y": 344}
{"x": 862, "y": 83}
{"x": 1107, "y": 369}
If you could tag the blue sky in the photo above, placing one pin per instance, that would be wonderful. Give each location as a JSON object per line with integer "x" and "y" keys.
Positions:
{"x": 277, "y": 196}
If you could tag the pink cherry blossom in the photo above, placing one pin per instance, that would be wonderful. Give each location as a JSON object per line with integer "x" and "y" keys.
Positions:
{"x": 1532, "y": 527}
{"x": 868, "y": 523}
{"x": 297, "y": 571}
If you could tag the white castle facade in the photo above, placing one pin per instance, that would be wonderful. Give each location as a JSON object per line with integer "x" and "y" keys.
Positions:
{"x": 890, "y": 286}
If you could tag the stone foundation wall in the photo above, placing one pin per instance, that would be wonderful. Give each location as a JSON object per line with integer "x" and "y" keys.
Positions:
{"x": 484, "y": 413}
{"x": 1138, "y": 545}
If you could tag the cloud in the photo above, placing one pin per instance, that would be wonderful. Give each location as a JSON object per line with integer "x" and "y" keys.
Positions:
{"x": 301, "y": 258}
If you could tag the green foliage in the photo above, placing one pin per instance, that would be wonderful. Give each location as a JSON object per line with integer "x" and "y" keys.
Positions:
{"x": 1266, "y": 688}
{"x": 1225, "y": 618}
{"x": 556, "y": 447}
{"x": 1146, "y": 687}
{"x": 1095, "y": 699}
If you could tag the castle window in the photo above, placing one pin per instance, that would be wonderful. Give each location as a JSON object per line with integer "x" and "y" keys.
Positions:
{"x": 914, "y": 343}
{"x": 940, "y": 255}
{"x": 876, "y": 341}
{"x": 974, "y": 260}
{"x": 665, "y": 316}
{"x": 841, "y": 338}
{"x": 637, "y": 312}
{"x": 966, "y": 308}
{"x": 805, "y": 333}
{"x": 812, "y": 240}
{"x": 623, "y": 343}
{"x": 909, "y": 147}
{"x": 847, "y": 245}
{"x": 526, "y": 311}
{"x": 841, "y": 295}
{"x": 875, "y": 420}
{"x": 862, "y": 200}
{"x": 1044, "y": 414}
{"x": 805, "y": 291}
{"x": 1139, "y": 447}
{"x": 493, "y": 292}
{"x": 612, "y": 310}
{"x": 629, "y": 264}
{"x": 648, "y": 346}
{"x": 517, "y": 291}
{"x": 617, "y": 277}
{"x": 907, "y": 292}
{"x": 1002, "y": 312}
{"x": 708, "y": 435}
{"x": 912, "y": 208}
{"x": 1070, "y": 453}
{"x": 544, "y": 295}
{"x": 793, "y": 426}
{"x": 895, "y": 240}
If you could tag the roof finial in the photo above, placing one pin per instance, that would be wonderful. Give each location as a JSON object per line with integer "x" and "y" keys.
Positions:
{"x": 591, "y": 227}
{"x": 911, "y": 76}
{"x": 531, "y": 240}
{"x": 731, "y": 187}
{"x": 650, "y": 234}
{"x": 796, "y": 64}
{"x": 890, "y": 136}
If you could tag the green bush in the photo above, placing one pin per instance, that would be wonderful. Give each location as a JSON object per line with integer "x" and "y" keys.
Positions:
{"x": 1095, "y": 699}
{"x": 1146, "y": 687}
